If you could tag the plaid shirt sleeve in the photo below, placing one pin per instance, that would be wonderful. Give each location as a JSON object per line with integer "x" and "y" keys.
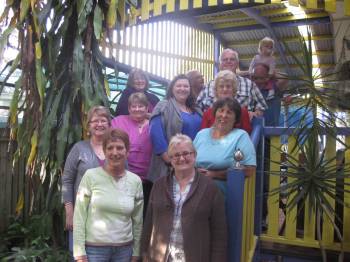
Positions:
{"x": 258, "y": 98}
{"x": 205, "y": 98}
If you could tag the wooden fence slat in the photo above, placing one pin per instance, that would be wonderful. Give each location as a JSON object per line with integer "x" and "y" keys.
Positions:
{"x": 309, "y": 222}
{"x": 347, "y": 7}
{"x": 274, "y": 182}
{"x": 346, "y": 215}
{"x": 197, "y": 3}
{"x": 327, "y": 228}
{"x": 183, "y": 4}
{"x": 330, "y": 5}
{"x": 311, "y": 4}
{"x": 157, "y": 7}
{"x": 212, "y": 2}
{"x": 145, "y": 10}
{"x": 170, "y": 6}
{"x": 291, "y": 213}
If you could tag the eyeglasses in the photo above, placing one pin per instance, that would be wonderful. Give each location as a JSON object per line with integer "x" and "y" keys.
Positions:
{"x": 99, "y": 121}
{"x": 231, "y": 59}
{"x": 184, "y": 154}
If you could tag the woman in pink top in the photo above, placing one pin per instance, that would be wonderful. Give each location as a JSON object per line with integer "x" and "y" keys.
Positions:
{"x": 136, "y": 125}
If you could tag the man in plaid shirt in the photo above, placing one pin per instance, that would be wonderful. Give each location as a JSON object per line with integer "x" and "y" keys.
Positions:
{"x": 248, "y": 94}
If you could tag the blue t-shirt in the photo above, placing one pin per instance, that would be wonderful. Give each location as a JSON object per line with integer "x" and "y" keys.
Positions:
{"x": 191, "y": 123}
{"x": 217, "y": 154}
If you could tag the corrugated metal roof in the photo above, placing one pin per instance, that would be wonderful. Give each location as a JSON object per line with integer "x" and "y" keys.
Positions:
{"x": 231, "y": 26}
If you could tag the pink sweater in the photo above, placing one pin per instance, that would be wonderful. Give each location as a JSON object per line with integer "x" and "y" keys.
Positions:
{"x": 140, "y": 144}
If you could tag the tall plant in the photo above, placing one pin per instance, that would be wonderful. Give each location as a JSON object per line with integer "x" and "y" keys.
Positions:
{"x": 62, "y": 76}
{"x": 313, "y": 181}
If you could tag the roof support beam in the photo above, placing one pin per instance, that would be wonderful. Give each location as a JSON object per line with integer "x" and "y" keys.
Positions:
{"x": 233, "y": 28}
{"x": 253, "y": 13}
{"x": 290, "y": 18}
{"x": 316, "y": 53}
{"x": 285, "y": 40}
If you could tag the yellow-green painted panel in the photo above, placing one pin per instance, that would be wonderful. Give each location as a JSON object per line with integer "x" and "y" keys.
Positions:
{"x": 275, "y": 1}
{"x": 293, "y": 2}
{"x": 212, "y": 2}
{"x": 259, "y": 1}
{"x": 346, "y": 216}
{"x": 157, "y": 7}
{"x": 170, "y": 6}
{"x": 347, "y": 7}
{"x": 327, "y": 229}
{"x": 197, "y": 3}
{"x": 183, "y": 4}
{"x": 144, "y": 10}
{"x": 309, "y": 222}
{"x": 291, "y": 213}
{"x": 311, "y": 4}
{"x": 227, "y": 2}
{"x": 243, "y": 1}
{"x": 302, "y": 243}
{"x": 330, "y": 5}
{"x": 274, "y": 182}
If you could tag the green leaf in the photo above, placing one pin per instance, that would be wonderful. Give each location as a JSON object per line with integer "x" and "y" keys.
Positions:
{"x": 24, "y": 8}
{"x": 112, "y": 14}
{"x": 84, "y": 9}
{"x": 98, "y": 18}
{"x": 14, "y": 102}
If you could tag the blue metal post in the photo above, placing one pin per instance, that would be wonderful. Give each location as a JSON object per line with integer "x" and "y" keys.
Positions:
{"x": 234, "y": 213}
{"x": 216, "y": 53}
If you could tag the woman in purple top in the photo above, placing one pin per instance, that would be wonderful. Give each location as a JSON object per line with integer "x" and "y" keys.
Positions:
{"x": 136, "y": 125}
{"x": 137, "y": 82}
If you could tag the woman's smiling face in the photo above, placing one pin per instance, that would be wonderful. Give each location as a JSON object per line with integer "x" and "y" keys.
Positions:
{"x": 225, "y": 118}
{"x": 116, "y": 153}
{"x": 98, "y": 125}
{"x": 181, "y": 90}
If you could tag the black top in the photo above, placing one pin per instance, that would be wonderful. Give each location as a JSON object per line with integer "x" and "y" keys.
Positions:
{"x": 122, "y": 107}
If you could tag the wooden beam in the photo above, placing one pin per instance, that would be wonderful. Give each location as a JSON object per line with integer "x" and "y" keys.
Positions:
{"x": 277, "y": 56}
{"x": 237, "y": 15}
{"x": 289, "y": 39}
{"x": 314, "y": 66}
{"x": 160, "y": 53}
{"x": 252, "y": 22}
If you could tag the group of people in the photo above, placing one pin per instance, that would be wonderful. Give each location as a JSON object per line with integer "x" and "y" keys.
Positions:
{"x": 162, "y": 161}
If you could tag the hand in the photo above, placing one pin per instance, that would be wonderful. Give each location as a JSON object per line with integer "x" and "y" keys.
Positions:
{"x": 166, "y": 158}
{"x": 258, "y": 113}
{"x": 82, "y": 259}
{"x": 204, "y": 172}
{"x": 134, "y": 259}
{"x": 69, "y": 216}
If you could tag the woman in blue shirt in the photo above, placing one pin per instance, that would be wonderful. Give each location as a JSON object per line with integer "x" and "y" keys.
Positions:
{"x": 178, "y": 113}
{"x": 216, "y": 145}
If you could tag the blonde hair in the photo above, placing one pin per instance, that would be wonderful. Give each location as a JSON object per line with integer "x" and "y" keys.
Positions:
{"x": 100, "y": 111}
{"x": 138, "y": 97}
{"x": 226, "y": 76}
{"x": 264, "y": 41}
{"x": 178, "y": 139}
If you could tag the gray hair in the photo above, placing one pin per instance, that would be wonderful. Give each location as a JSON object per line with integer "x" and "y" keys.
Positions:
{"x": 226, "y": 75}
{"x": 178, "y": 139}
{"x": 228, "y": 50}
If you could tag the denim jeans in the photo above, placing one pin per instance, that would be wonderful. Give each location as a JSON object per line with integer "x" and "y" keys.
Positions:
{"x": 109, "y": 253}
